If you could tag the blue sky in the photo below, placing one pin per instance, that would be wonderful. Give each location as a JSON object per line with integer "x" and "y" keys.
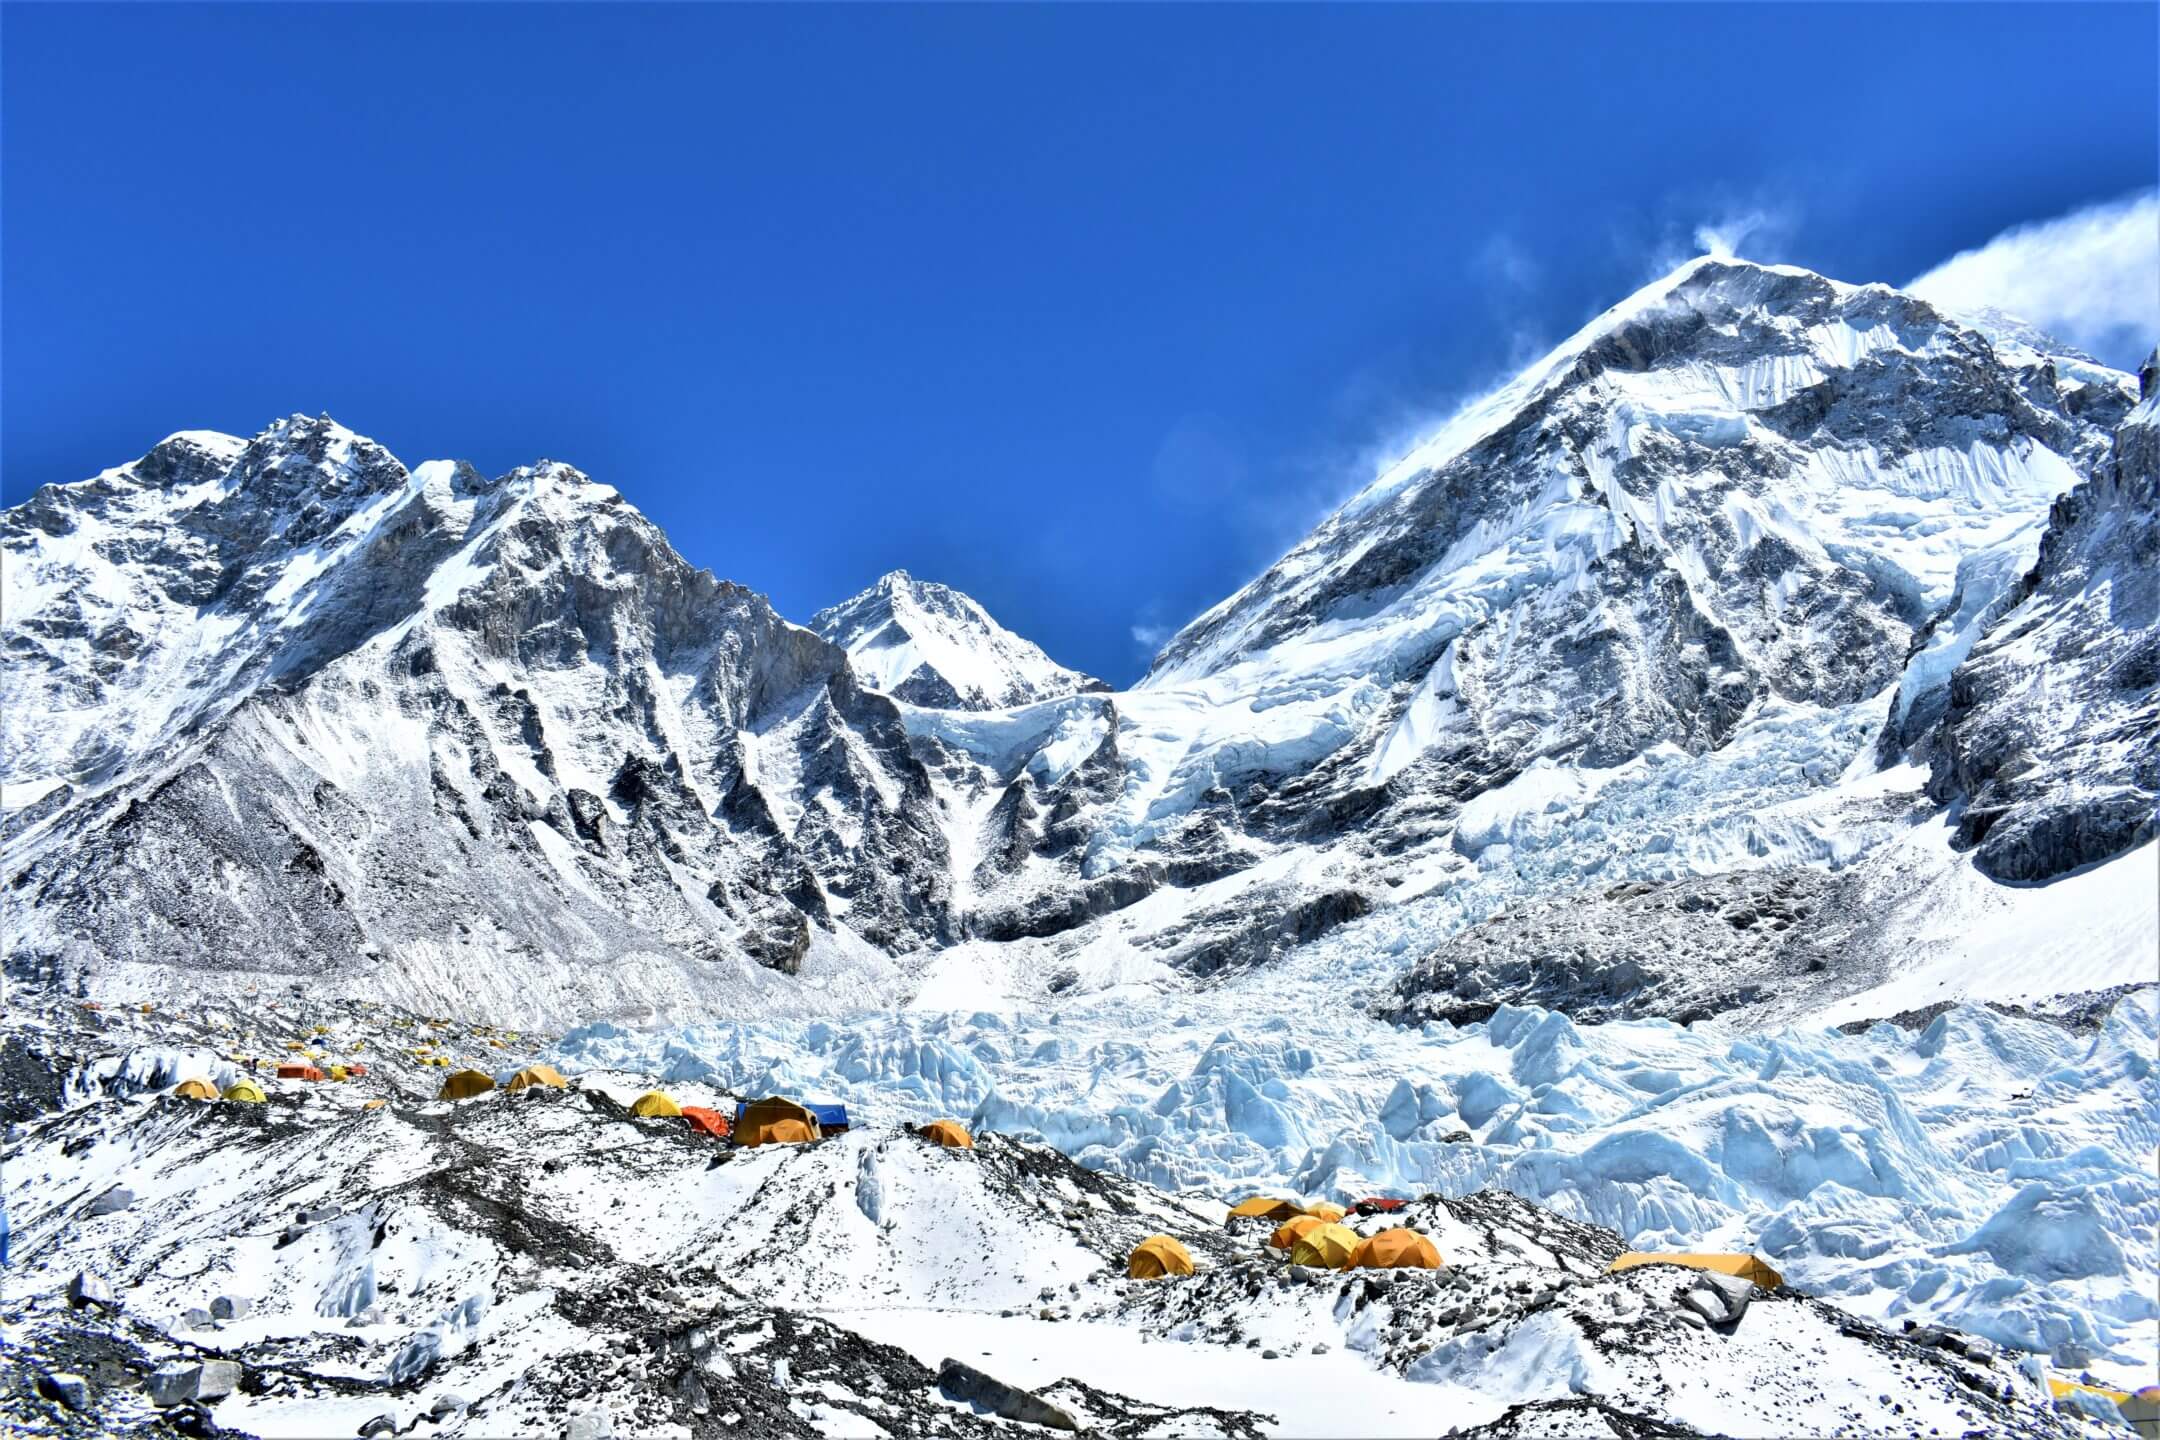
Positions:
{"x": 1089, "y": 311}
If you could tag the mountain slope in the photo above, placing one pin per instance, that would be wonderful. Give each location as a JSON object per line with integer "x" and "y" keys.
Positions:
{"x": 928, "y": 644}
{"x": 2052, "y": 733}
{"x": 427, "y": 732}
{"x": 1656, "y": 610}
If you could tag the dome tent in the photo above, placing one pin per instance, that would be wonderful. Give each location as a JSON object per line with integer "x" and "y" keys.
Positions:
{"x": 1747, "y": 1267}
{"x": 1326, "y": 1248}
{"x": 711, "y": 1122}
{"x": 1293, "y": 1230}
{"x": 655, "y": 1104}
{"x": 1397, "y": 1249}
{"x": 545, "y": 1076}
{"x": 465, "y": 1084}
{"x": 246, "y": 1090}
{"x": 1158, "y": 1256}
{"x": 949, "y": 1133}
{"x": 774, "y": 1120}
{"x": 195, "y": 1090}
{"x": 1326, "y": 1210}
{"x": 1266, "y": 1207}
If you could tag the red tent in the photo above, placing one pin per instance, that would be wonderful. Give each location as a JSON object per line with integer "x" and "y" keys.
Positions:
{"x": 356, "y": 1071}
{"x": 298, "y": 1072}
{"x": 1376, "y": 1205}
{"x": 712, "y": 1122}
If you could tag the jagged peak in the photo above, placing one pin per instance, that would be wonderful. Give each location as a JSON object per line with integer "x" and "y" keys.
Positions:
{"x": 933, "y": 645}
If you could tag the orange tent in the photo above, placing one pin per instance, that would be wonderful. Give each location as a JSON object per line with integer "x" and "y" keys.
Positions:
{"x": 298, "y": 1072}
{"x": 949, "y": 1133}
{"x": 712, "y": 1122}
{"x": 1395, "y": 1250}
{"x": 1290, "y": 1231}
{"x": 779, "y": 1132}
{"x": 1158, "y": 1256}
{"x": 195, "y": 1090}
{"x": 1747, "y": 1267}
{"x": 1327, "y": 1210}
{"x": 774, "y": 1121}
{"x": 546, "y": 1076}
{"x": 1266, "y": 1207}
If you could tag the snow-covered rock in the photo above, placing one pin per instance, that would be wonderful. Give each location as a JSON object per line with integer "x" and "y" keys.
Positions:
{"x": 932, "y": 646}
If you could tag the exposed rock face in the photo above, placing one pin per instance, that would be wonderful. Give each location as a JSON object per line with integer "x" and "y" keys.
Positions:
{"x": 928, "y": 644}
{"x": 2051, "y": 739}
{"x": 1685, "y": 950}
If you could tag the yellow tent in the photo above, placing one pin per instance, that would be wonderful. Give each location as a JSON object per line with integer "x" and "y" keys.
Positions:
{"x": 1747, "y": 1267}
{"x": 1157, "y": 1256}
{"x": 375, "y": 1104}
{"x": 195, "y": 1090}
{"x": 294, "y": 1045}
{"x": 2142, "y": 1410}
{"x": 465, "y": 1084}
{"x": 339, "y": 1072}
{"x": 949, "y": 1133}
{"x": 775, "y": 1121}
{"x": 1292, "y": 1230}
{"x": 1327, "y": 1248}
{"x": 652, "y": 1104}
{"x": 246, "y": 1090}
{"x": 1265, "y": 1207}
{"x": 531, "y": 1075}
{"x": 1326, "y": 1210}
{"x": 1397, "y": 1249}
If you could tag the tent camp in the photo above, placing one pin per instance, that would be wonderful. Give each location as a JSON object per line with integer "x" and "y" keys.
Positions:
{"x": 655, "y": 1104}
{"x": 545, "y": 1076}
{"x": 831, "y": 1119}
{"x": 949, "y": 1133}
{"x": 1395, "y": 1250}
{"x": 1747, "y": 1267}
{"x": 1292, "y": 1230}
{"x": 774, "y": 1121}
{"x": 195, "y": 1090}
{"x": 711, "y": 1122}
{"x": 1326, "y": 1248}
{"x": 1327, "y": 1210}
{"x": 1158, "y": 1256}
{"x": 298, "y": 1072}
{"x": 246, "y": 1090}
{"x": 1266, "y": 1207}
{"x": 465, "y": 1084}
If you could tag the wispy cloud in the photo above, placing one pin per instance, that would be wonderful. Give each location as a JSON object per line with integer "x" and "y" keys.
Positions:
{"x": 2091, "y": 278}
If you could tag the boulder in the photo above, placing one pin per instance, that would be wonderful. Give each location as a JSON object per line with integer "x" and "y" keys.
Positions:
{"x": 447, "y": 1403}
{"x": 173, "y": 1383}
{"x": 383, "y": 1424}
{"x": 592, "y": 1425}
{"x": 972, "y": 1387}
{"x": 230, "y": 1307}
{"x": 70, "y": 1390}
{"x": 215, "y": 1379}
{"x": 118, "y": 1198}
{"x": 195, "y": 1317}
{"x": 89, "y": 1288}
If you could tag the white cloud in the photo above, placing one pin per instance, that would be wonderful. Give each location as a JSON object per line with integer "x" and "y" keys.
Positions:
{"x": 2091, "y": 278}
{"x": 1724, "y": 236}
{"x": 1150, "y": 637}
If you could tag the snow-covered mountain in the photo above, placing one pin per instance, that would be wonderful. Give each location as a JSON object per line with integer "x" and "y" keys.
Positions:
{"x": 1697, "y": 595}
{"x": 930, "y": 645}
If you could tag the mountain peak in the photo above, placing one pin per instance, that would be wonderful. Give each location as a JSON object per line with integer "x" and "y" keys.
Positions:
{"x": 931, "y": 645}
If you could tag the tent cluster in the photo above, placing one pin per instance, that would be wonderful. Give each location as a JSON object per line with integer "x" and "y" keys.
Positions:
{"x": 1311, "y": 1235}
